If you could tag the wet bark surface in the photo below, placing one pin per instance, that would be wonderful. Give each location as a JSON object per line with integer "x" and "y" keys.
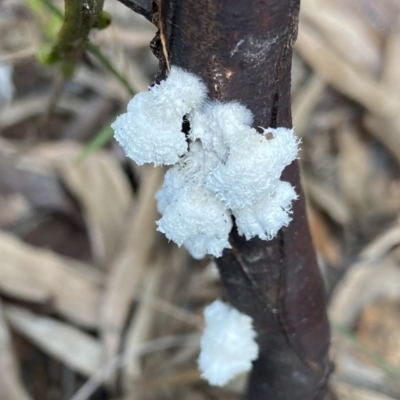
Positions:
{"x": 242, "y": 49}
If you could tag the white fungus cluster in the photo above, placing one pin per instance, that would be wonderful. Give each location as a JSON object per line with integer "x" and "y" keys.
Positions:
{"x": 151, "y": 130}
{"x": 222, "y": 168}
{"x": 228, "y": 344}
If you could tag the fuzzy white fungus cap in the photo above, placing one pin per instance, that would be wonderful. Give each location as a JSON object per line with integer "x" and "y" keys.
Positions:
{"x": 196, "y": 219}
{"x": 253, "y": 167}
{"x": 191, "y": 214}
{"x": 228, "y": 344}
{"x": 217, "y": 125}
{"x": 266, "y": 217}
{"x": 192, "y": 169}
{"x": 151, "y": 130}
{"x": 228, "y": 119}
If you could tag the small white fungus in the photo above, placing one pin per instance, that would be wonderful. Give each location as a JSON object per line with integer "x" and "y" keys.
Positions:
{"x": 228, "y": 344}
{"x": 217, "y": 125}
{"x": 151, "y": 130}
{"x": 228, "y": 119}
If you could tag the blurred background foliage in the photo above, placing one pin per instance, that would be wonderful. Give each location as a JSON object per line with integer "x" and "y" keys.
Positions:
{"x": 94, "y": 302}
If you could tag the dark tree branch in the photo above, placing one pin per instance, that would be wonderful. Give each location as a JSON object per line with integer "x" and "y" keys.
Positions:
{"x": 243, "y": 49}
{"x": 142, "y": 7}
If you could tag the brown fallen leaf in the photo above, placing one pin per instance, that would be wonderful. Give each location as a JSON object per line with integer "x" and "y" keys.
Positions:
{"x": 379, "y": 328}
{"x": 390, "y": 73}
{"x": 111, "y": 367}
{"x": 381, "y": 246}
{"x": 345, "y": 31}
{"x": 142, "y": 324}
{"x": 39, "y": 186}
{"x": 359, "y": 87}
{"x": 353, "y": 367}
{"x": 139, "y": 329}
{"x": 76, "y": 349}
{"x": 327, "y": 199}
{"x": 363, "y": 284}
{"x": 128, "y": 267}
{"x": 35, "y": 105}
{"x": 73, "y": 287}
{"x": 101, "y": 186}
{"x": 386, "y": 129}
{"x": 347, "y": 392}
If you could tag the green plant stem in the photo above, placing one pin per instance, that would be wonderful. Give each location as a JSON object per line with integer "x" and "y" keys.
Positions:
{"x": 92, "y": 48}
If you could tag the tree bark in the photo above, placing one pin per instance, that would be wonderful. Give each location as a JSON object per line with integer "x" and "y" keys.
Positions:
{"x": 242, "y": 49}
